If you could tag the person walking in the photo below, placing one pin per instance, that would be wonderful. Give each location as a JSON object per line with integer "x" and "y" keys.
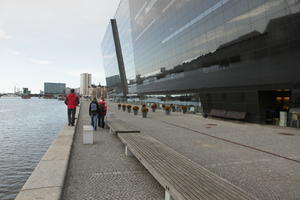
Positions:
{"x": 72, "y": 100}
{"x": 93, "y": 111}
{"x": 102, "y": 112}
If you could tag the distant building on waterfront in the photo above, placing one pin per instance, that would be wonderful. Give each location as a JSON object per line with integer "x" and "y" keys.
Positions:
{"x": 85, "y": 83}
{"x": 98, "y": 91}
{"x": 238, "y": 58}
{"x": 54, "y": 88}
{"x": 68, "y": 90}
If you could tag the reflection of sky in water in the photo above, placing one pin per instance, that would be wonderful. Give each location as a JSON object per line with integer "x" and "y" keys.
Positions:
{"x": 27, "y": 128}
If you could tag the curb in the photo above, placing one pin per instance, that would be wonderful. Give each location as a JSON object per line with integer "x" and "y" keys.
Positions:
{"x": 47, "y": 180}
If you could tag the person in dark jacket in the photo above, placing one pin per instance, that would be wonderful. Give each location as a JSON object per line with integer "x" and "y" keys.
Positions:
{"x": 72, "y": 101}
{"x": 102, "y": 112}
{"x": 93, "y": 112}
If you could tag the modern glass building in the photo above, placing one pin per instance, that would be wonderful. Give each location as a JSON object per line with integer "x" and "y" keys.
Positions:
{"x": 54, "y": 88}
{"x": 236, "y": 56}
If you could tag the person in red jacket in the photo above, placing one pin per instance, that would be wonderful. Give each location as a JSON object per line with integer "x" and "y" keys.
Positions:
{"x": 102, "y": 112}
{"x": 72, "y": 101}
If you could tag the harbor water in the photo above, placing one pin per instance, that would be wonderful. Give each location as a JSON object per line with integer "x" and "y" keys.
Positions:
{"x": 27, "y": 128}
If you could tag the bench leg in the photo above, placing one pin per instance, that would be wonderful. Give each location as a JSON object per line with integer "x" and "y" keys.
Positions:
{"x": 167, "y": 195}
{"x": 128, "y": 152}
{"x": 110, "y": 131}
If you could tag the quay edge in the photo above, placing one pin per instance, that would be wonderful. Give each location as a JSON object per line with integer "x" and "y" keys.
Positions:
{"x": 47, "y": 180}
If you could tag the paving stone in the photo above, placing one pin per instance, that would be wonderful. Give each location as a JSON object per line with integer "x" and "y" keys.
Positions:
{"x": 102, "y": 171}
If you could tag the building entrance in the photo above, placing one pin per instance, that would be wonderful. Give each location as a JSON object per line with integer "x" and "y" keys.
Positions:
{"x": 271, "y": 103}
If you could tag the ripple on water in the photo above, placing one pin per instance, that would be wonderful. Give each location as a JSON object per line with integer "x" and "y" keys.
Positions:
{"x": 27, "y": 128}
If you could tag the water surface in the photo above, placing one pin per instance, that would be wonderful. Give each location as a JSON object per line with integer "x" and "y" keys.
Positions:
{"x": 27, "y": 128}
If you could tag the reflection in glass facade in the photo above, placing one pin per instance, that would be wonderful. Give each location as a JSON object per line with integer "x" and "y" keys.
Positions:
{"x": 169, "y": 32}
{"x": 110, "y": 59}
{"x": 123, "y": 23}
{"x": 234, "y": 54}
{"x": 124, "y": 26}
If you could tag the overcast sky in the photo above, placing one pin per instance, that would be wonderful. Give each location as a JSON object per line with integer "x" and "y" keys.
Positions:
{"x": 51, "y": 41}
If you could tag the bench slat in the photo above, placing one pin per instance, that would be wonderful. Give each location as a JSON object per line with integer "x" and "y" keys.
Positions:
{"x": 160, "y": 161}
{"x": 185, "y": 178}
{"x": 171, "y": 178}
{"x": 162, "y": 166}
{"x": 119, "y": 126}
{"x": 172, "y": 175}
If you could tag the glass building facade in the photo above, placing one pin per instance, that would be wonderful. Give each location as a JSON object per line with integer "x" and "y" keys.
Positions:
{"x": 233, "y": 54}
{"x": 170, "y": 32}
{"x": 54, "y": 88}
{"x": 110, "y": 59}
{"x": 124, "y": 27}
{"x": 113, "y": 76}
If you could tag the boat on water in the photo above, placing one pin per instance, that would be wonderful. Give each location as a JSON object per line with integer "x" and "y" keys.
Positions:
{"x": 25, "y": 96}
{"x": 48, "y": 96}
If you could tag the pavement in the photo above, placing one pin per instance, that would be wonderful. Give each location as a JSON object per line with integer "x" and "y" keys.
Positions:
{"x": 102, "y": 171}
{"x": 262, "y": 160}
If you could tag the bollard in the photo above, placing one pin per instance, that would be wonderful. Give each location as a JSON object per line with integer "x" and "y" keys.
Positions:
{"x": 88, "y": 134}
{"x": 283, "y": 118}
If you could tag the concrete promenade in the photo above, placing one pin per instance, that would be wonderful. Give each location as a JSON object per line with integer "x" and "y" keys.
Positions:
{"x": 262, "y": 160}
{"x": 47, "y": 180}
{"x": 102, "y": 171}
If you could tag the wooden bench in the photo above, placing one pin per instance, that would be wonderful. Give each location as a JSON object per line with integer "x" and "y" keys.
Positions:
{"x": 119, "y": 126}
{"x": 181, "y": 178}
{"x": 228, "y": 114}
